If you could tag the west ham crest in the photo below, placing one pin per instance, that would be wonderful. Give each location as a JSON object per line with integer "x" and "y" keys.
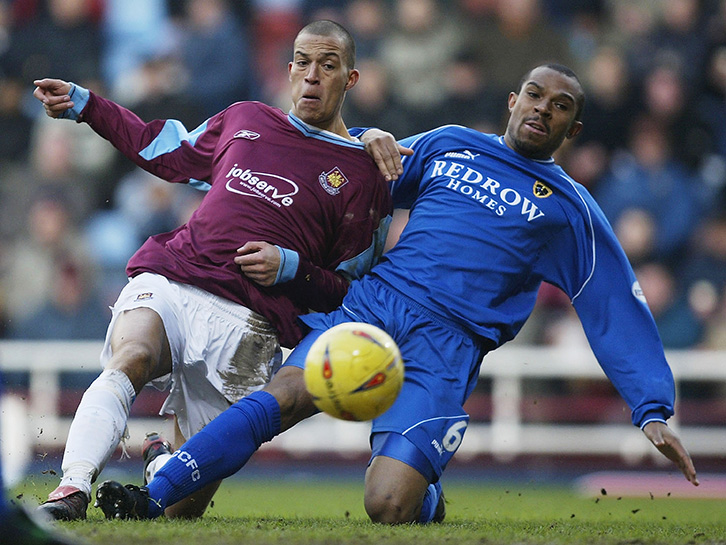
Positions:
{"x": 332, "y": 181}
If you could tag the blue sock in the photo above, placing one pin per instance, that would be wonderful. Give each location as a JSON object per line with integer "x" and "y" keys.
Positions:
{"x": 430, "y": 502}
{"x": 219, "y": 450}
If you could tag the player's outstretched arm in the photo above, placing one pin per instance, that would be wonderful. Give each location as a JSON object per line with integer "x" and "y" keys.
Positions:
{"x": 668, "y": 443}
{"x": 386, "y": 152}
{"x": 53, "y": 93}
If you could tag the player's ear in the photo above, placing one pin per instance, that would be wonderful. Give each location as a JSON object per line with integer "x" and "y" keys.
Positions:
{"x": 574, "y": 129}
{"x": 512, "y": 100}
{"x": 289, "y": 71}
{"x": 353, "y": 78}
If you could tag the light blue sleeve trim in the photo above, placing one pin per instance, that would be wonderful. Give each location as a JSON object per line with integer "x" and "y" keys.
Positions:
{"x": 359, "y": 265}
{"x": 320, "y": 134}
{"x": 79, "y": 96}
{"x": 289, "y": 261}
{"x": 172, "y": 134}
{"x": 652, "y": 420}
{"x": 200, "y": 185}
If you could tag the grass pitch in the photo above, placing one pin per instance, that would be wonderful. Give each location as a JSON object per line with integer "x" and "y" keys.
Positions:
{"x": 284, "y": 511}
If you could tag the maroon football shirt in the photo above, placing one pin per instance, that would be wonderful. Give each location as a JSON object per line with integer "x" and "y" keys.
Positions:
{"x": 273, "y": 179}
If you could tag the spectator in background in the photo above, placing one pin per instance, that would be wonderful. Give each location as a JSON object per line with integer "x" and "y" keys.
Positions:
{"x": 15, "y": 125}
{"x": 636, "y": 230}
{"x": 630, "y": 27}
{"x": 73, "y": 310}
{"x": 649, "y": 178}
{"x": 275, "y": 25}
{"x": 371, "y": 103}
{"x": 61, "y": 154}
{"x": 518, "y": 37}
{"x": 216, "y": 54}
{"x": 416, "y": 52}
{"x": 712, "y": 112}
{"x": 677, "y": 324}
{"x": 610, "y": 107}
{"x": 668, "y": 100}
{"x": 679, "y": 38}
{"x": 609, "y": 111}
{"x": 133, "y": 31}
{"x": 51, "y": 239}
{"x": 471, "y": 100}
{"x": 367, "y": 20}
{"x": 53, "y": 32}
{"x": 704, "y": 276}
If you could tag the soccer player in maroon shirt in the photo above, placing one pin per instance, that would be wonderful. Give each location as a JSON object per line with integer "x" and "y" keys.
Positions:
{"x": 295, "y": 209}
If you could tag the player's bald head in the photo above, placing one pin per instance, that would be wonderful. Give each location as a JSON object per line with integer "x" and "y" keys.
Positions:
{"x": 332, "y": 29}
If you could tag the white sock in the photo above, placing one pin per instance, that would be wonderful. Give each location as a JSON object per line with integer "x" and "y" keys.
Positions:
{"x": 97, "y": 428}
{"x": 155, "y": 465}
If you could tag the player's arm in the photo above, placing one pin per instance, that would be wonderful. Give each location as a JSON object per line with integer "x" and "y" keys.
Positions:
{"x": 162, "y": 147}
{"x": 384, "y": 150}
{"x": 307, "y": 284}
{"x": 620, "y": 329}
{"x": 669, "y": 444}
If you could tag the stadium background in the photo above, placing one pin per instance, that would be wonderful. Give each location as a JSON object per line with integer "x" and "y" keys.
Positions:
{"x": 653, "y": 152}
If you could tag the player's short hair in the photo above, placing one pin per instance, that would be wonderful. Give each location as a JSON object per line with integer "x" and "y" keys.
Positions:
{"x": 562, "y": 69}
{"x": 325, "y": 27}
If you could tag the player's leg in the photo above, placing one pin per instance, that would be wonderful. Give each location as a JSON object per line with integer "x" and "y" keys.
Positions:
{"x": 401, "y": 484}
{"x": 207, "y": 457}
{"x": 140, "y": 353}
{"x": 415, "y": 439}
{"x": 394, "y": 491}
{"x": 194, "y": 505}
{"x": 231, "y": 352}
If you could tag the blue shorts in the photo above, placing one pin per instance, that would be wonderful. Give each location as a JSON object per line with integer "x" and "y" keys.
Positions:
{"x": 441, "y": 369}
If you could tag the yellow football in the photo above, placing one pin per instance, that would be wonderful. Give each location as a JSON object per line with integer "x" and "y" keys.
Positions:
{"x": 354, "y": 371}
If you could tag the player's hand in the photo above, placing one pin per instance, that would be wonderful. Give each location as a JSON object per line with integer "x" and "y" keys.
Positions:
{"x": 666, "y": 441}
{"x": 386, "y": 152}
{"x": 259, "y": 261}
{"x": 53, "y": 93}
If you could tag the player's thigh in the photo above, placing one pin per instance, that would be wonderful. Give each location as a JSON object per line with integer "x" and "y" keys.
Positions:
{"x": 394, "y": 491}
{"x": 140, "y": 346}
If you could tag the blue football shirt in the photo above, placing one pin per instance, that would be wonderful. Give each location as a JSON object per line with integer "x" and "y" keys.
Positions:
{"x": 487, "y": 226}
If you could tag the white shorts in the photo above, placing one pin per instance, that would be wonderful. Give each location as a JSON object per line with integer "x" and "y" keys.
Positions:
{"x": 221, "y": 351}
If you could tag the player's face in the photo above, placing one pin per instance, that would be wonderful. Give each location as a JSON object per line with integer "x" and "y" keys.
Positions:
{"x": 319, "y": 80}
{"x": 543, "y": 113}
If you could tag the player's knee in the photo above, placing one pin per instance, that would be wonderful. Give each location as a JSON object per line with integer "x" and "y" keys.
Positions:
{"x": 388, "y": 508}
{"x": 137, "y": 360}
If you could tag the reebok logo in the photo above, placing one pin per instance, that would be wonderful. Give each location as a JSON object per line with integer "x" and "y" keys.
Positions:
{"x": 247, "y": 135}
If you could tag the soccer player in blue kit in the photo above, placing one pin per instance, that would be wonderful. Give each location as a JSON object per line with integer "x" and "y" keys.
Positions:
{"x": 492, "y": 217}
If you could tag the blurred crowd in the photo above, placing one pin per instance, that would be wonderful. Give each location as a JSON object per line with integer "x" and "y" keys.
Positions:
{"x": 652, "y": 152}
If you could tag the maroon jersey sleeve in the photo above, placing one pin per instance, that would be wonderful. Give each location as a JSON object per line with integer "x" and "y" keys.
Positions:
{"x": 163, "y": 147}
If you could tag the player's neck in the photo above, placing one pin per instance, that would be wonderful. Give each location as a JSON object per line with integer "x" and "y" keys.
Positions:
{"x": 338, "y": 127}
